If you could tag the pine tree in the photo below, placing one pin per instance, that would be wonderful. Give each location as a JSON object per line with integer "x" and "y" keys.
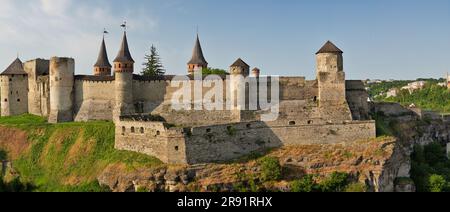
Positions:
{"x": 153, "y": 65}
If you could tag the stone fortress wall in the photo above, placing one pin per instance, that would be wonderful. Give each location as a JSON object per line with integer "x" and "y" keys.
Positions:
{"x": 322, "y": 111}
{"x": 220, "y": 143}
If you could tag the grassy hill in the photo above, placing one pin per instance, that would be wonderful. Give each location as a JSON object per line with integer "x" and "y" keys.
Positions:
{"x": 64, "y": 157}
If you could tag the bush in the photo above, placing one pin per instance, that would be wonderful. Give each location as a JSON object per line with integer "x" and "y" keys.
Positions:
{"x": 306, "y": 184}
{"x": 270, "y": 169}
{"x": 15, "y": 185}
{"x": 142, "y": 189}
{"x": 213, "y": 71}
{"x": 437, "y": 183}
{"x": 336, "y": 182}
{"x": 430, "y": 169}
{"x": 434, "y": 153}
{"x": 3, "y": 155}
{"x": 356, "y": 187}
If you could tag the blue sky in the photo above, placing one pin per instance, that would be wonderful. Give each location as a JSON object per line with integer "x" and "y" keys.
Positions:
{"x": 400, "y": 39}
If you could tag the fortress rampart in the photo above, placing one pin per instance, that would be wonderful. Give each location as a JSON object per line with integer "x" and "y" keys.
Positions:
{"x": 219, "y": 143}
{"x": 325, "y": 110}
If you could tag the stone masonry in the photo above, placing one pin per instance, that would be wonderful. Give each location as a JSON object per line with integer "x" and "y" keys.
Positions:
{"x": 326, "y": 110}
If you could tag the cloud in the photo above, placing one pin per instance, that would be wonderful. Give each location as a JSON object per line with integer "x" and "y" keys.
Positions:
{"x": 45, "y": 28}
{"x": 55, "y": 7}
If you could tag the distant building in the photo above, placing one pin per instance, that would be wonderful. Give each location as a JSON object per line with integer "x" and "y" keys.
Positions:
{"x": 392, "y": 92}
{"x": 411, "y": 87}
{"x": 443, "y": 84}
{"x": 376, "y": 81}
{"x": 448, "y": 81}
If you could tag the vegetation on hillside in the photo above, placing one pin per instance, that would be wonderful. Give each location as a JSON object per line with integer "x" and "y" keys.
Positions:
{"x": 378, "y": 88}
{"x": 69, "y": 156}
{"x": 431, "y": 168}
{"x": 431, "y": 97}
{"x": 336, "y": 182}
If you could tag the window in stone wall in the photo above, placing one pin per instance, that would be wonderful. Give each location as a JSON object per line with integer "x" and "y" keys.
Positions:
{"x": 18, "y": 100}
{"x": 310, "y": 122}
{"x": 176, "y": 148}
{"x": 292, "y": 123}
{"x": 123, "y": 130}
{"x": 139, "y": 107}
{"x": 6, "y": 100}
{"x": 141, "y": 130}
{"x": 133, "y": 130}
{"x": 158, "y": 133}
{"x": 315, "y": 99}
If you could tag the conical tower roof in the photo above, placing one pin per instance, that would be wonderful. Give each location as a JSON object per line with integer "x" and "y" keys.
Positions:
{"x": 329, "y": 47}
{"x": 240, "y": 63}
{"x": 103, "y": 60}
{"x": 124, "y": 52}
{"x": 16, "y": 68}
{"x": 197, "y": 54}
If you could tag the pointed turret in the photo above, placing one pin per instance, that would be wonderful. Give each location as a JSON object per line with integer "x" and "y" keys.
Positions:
{"x": 239, "y": 67}
{"x": 124, "y": 54}
{"x": 16, "y": 68}
{"x": 102, "y": 67}
{"x": 124, "y": 62}
{"x": 197, "y": 61}
{"x": 329, "y": 47}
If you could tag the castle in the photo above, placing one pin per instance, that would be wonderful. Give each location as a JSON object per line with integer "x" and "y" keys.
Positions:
{"x": 328, "y": 109}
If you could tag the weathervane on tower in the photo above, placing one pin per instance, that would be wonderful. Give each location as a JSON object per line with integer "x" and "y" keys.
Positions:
{"x": 124, "y": 26}
{"x": 105, "y": 32}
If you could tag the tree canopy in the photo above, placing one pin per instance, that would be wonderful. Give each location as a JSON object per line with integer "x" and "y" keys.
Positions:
{"x": 153, "y": 65}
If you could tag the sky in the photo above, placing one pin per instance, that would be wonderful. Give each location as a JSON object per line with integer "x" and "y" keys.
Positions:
{"x": 381, "y": 39}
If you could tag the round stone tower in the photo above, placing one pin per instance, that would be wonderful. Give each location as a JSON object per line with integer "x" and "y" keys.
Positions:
{"x": 61, "y": 89}
{"x": 14, "y": 90}
{"x": 102, "y": 67}
{"x": 123, "y": 71}
{"x": 256, "y": 72}
{"x": 4, "y": 95}
{"x": 331, "y": 81}
{"x": 239, "y": 70}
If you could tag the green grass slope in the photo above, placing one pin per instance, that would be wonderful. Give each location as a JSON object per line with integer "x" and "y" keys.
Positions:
{"x": 68, "y": 156}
